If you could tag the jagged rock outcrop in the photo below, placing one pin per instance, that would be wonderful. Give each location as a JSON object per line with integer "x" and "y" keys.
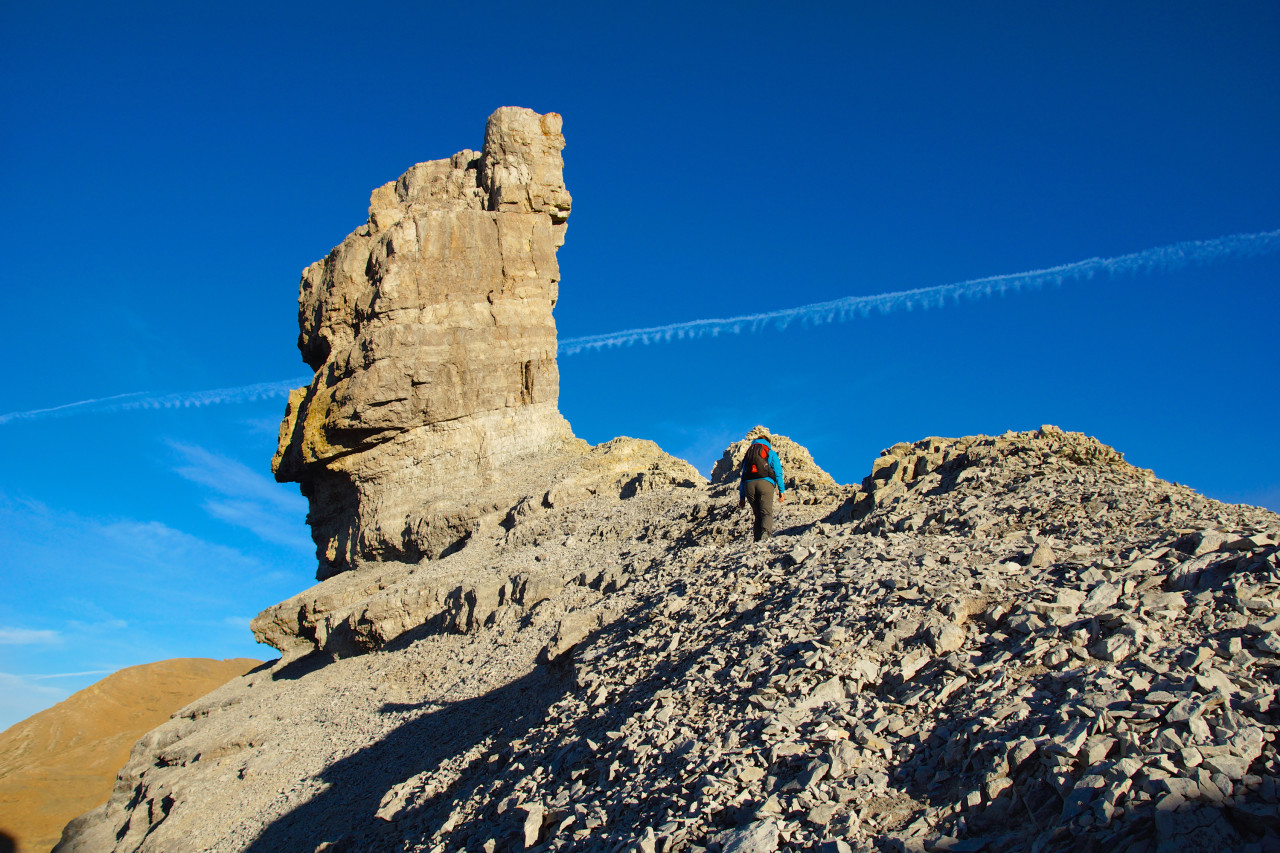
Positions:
{"x": 934, "y": 466}
{"x": 493, "y": 581}
{"x": 430, "y": 333}
{"x": 908, "y": 676}
{"x": 809, "y": 482}
{"x": 432, "y": 422}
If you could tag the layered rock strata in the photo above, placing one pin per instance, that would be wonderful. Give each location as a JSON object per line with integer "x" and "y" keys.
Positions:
{"x": 494, "y": 581}
{"x": 430, "y": 332}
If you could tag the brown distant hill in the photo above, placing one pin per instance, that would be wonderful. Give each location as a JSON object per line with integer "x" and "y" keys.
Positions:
{"x": 61, "y": 762}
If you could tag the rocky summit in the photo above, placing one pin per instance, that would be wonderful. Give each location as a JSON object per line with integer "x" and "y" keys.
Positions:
{"x": 1019, "y": 642}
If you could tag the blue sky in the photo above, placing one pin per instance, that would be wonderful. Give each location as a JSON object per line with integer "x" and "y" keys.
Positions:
{"x": 168, "y": 170}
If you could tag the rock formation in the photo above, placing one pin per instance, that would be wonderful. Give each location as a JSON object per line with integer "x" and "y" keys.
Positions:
{"x": 432, "y": 418}
{"x": 430, "y": 333}
{"x": 1008, "y": 643}
{"x": 892, "y": 671}
{"x": 807, "y": 481}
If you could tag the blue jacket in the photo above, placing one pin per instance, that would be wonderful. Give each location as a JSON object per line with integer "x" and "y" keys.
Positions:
{"x": 778, "y": 478}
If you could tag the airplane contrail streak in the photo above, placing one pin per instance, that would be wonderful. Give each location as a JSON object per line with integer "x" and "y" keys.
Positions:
{"x": 1159, "y": 259}
{"x": 145, "y": 400}
{"x": 1147, "y": 262}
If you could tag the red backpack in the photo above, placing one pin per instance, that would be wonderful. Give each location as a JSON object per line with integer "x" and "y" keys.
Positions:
{"x": 756, "y": 465}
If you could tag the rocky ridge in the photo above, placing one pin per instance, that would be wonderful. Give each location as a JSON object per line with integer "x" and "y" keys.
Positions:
{"x": 493, "y": 581}
{"x": 522, "y": 642}
{"x": 801, "y": 472}
{"x": 993, "y": 643}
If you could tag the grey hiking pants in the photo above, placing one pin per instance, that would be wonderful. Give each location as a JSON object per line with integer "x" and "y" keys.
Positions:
{"x": 760, "y": 496}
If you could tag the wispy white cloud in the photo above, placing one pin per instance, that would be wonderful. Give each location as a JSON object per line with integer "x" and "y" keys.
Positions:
{"x": 154, "y": 543}
{"x": 274, "y": 512}
{"x": 27, "y": 637}
{"x": 280, "y": 528}
{"x": 1151, "y": 261}
{"x": 98, "y": 626}
{"x": 119, "y": 592}
{"x": 234, "y": 479}
{"x": 110, "y": 574}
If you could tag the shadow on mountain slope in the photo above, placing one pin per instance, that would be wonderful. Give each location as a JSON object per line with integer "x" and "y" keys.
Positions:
{"x": 563, "y": 754}
{"x": 344, "y": 814}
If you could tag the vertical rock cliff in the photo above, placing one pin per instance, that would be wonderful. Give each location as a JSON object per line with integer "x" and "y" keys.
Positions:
{"x": 430, "y": 333}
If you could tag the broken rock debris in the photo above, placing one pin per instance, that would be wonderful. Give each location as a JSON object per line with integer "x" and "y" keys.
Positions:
{"x": 914, "y": 681}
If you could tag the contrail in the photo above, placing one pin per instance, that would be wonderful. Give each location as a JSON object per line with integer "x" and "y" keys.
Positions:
{"x": 1159, "y": 259}
{"x": 146, "y": 400}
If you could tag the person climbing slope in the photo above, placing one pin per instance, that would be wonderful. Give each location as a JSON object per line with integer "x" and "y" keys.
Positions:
{"x": 761, "y": 476}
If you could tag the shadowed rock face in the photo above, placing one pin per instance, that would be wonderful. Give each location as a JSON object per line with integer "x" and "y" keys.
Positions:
{"x": 430, "y": 333}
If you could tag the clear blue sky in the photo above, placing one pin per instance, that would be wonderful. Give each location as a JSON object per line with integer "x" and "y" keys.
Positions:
{"x": 169, "y": 169}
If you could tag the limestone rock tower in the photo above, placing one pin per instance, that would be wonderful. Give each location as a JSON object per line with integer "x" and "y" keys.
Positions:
{"x": 430, "y": 332}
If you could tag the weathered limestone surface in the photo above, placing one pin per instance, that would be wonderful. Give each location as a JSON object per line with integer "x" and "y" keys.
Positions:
{"x": 494, "y": 583}
{"x": 430, "y": 333}
{"x": 617, "y": 666}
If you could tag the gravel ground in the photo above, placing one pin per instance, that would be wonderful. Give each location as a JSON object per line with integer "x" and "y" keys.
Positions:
{"x": 1006, "y": 643}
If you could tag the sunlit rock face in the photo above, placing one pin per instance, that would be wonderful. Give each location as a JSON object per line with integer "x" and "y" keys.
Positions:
{"x": 430, "y": 332}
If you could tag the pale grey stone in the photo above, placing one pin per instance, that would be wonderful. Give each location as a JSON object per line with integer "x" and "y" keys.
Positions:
{"x": 1115, "y": 648}
{"x": 1042, "y": 556}
{"x": 1233, "y": 767}
{"x": 571, "y": 630}
{"x": 532, "y": 826}
{"x": 1100, "y": 598}
{"x": 831, "y": 690}
{"x": 1205, "y": 541}
{"x": 1080, "y": 796}
{"x": 760, "y": 836}
{"x": 945, "y": 638}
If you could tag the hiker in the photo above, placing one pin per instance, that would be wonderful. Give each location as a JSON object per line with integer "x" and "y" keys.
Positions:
{"x": 761, "y": 475}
